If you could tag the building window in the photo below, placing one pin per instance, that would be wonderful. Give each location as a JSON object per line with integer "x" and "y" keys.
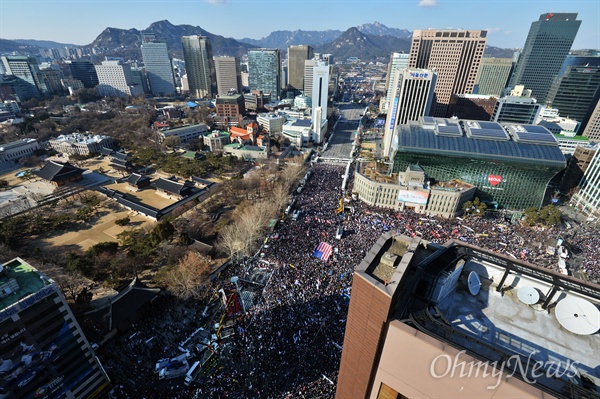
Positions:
{"x": 386, "y": 392}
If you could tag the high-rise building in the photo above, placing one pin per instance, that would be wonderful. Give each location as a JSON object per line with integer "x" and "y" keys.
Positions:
{"x": 411, "y": 98}
{"x": 427, "y": 320}
{"x": 588, "y": 197}
{"x": 264, "y": 67}
{"x": 479, "y": 107}
{"x": 592, "y": 130}
{"x": 493, "y": 75}
{"x": 320, "y": 87}
{"x": 309, "y": 65}
{"x": 199, "y": 66}
{"x": 455, "y": 55}
{"x": 85, "y": 72}
{"x": 115, "y": 79}
{"x": 43, "y": 351}
{"x": 229, "y": 77}
{"x": 158, "y": 65}
{"x": 576, "y": 92}
{"x": 397, "y": 61}
{"x": 27, "y": 70}
{"x": 547, "y": 44}
{"x": 297, "y": 55}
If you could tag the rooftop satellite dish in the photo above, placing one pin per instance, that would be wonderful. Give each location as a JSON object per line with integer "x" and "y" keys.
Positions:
{"x": 528, "y": 295}
{"x": 474, "y": 283}
{"x": 578, "y": 315}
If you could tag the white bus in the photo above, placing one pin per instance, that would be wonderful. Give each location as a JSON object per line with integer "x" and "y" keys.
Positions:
{"x": 193, "y": 373}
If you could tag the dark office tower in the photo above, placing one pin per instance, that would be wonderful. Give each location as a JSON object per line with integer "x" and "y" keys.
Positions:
{"x": 199, "y": 66}
{"x": 85, "y": 72}
{"x": 229, "y": 75}
{"x": 455, "y": 55}
{"x": 296, "y": 57}
{"x": 264, "y": 67}
{"x": 158, "y": 65}
{"x": 576, "y": 92}
{"x": 548, "y": 42}
{"x": 27, "y": 72}
{"x": 43, "y": 352}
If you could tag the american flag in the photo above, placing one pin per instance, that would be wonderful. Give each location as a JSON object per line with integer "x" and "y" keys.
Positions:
{"x": 323, "y": 251}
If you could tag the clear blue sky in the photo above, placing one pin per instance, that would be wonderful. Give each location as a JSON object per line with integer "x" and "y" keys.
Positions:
{"x": 80, "y": 21}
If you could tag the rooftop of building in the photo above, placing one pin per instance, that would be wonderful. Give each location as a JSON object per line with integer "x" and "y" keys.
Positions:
{"x": 18, "y": 280}
{"x": 238, "y": 146}
{"x": 494, "y": 307}
{"x": 81, "y": 138}
{"x": 15, "y": 144}
{"x": 477, "y": 139}
{"x": 233, "y": 99}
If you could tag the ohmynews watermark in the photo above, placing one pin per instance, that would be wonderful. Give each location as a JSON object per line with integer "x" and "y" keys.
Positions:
{"x": 444, "y": 366}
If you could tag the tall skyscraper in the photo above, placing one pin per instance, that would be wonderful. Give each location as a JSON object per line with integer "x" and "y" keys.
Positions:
{"x": 397, "y": 61}
{"x": 43, "y": 351}
{"x": 576, "y": 92}
{"x": 264, "y": 67}
{"x": 588, "y": 197}
{"x": 296, "y": 57}
{"x": 229, "y": 76}
{"x": 411, "y": 98}
{"x": 493, "y": 75}
{"x": 547, "y": 44}
{"x": 27, "y": 70}
{"x": 455, "y": 55}
{"x": 85, "y": 72}
{"x": 158, "y": 65}
{"x": 116, "y": 79}
{"x": 199, "y": 66}
{"x": 320, "y": 87}
{"x": 592, "y": 130}
{"x": 309, "y": 65}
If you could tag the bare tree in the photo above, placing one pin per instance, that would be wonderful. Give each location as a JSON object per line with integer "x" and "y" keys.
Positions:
{"x": 190, "y": 278}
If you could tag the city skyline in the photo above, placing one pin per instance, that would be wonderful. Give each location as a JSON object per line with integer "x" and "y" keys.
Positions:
{"x": 507, "y": 27}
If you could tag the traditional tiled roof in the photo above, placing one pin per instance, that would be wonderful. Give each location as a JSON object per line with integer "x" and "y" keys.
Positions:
{"x": 58, "y": 171}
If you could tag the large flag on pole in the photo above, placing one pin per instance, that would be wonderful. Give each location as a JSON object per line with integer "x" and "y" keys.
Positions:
{"x": 323, "y": 251}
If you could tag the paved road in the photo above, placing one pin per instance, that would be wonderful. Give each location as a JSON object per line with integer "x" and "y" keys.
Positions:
{"x": 340, "y": 144}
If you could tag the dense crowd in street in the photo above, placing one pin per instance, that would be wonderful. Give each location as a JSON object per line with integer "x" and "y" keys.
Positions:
{"x": 288, "y": 343}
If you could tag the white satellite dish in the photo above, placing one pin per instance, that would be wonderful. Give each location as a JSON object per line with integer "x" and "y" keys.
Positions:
{"x": 474, "y": 283}
{"x": 528, "y": 295}
{"x": 578, "y": 315}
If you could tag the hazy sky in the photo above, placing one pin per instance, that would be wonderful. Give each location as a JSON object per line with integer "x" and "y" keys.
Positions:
{"x": 80, "y": 21}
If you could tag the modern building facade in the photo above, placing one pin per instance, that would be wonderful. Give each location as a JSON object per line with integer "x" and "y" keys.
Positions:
{"x": 548, "y": 43}
{"x": 479, "y": 107}
{"x": 320, "y": 87}
{"x": 184, "y": 133}
{"x": 10, "y": 153}
{"x": 199, "y": 66}
{"x": 297, "y": 55}
{"x": 115, "y": 79}
{"x": 443, "y": 321}
{"x": 265, "y": 71}
{"x": 576, "y": 93}
{"x": 592, "y": 129}
{"x": 230, "y": 106}
{"x": 43, "y": 351}
{"x": 455, "y": 55}
{"x": 85, "y": 72}
{"x": 158, "y": 65}
{"x": 229, "y": 75}
{"x": 397, "y": 62}
{"x": 588, "y": 198}
{"x": 513, "y": 109}
{"x": 411, "y": 98}
{"x": 493, "y": 75}
{"x": 511, "y": 166}
{"x": 27, "y": 71}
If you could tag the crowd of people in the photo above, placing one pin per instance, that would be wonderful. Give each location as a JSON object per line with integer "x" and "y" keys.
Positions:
{"x": 289, "y": 339}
